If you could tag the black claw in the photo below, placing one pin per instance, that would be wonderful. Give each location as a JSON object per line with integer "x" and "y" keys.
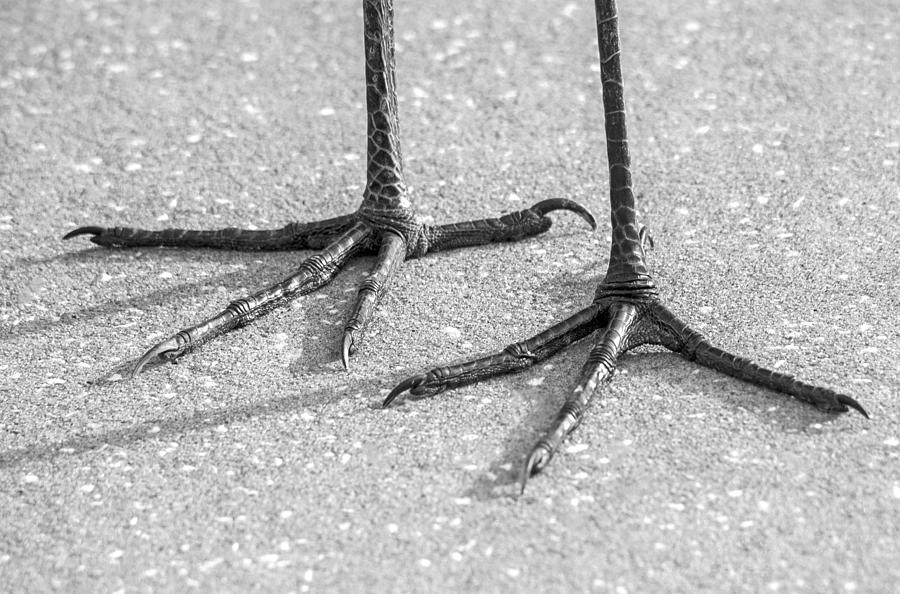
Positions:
{"x": 847, "y": 401}
{"x": 345, "y": 350}
{"x": 84, "y": 231}
{"x": 168, "y": 348}
{"x": 409, "y": 383}
{"x": 545, "y": 206}
{"x": 537, "y": 460}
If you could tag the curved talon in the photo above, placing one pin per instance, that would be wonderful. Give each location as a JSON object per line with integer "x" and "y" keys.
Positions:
{"x": 92, "y": 230}
{"x": 848, "y": 401}
{"x": 170, "y": 345}
{"x": 409, "y": 383}
{"x": 537, "y": 460}
{"x": 345, "y": 349}
{"x": 545, "y": 206}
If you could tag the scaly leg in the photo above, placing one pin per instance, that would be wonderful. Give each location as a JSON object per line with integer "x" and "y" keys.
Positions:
{"x": 385, "y": 222}
{"x": 626, "y": 311}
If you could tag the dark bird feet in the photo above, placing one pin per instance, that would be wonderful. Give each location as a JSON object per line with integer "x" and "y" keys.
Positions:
{"x": 619, "y": 324}
{"x": 395, "y": 235}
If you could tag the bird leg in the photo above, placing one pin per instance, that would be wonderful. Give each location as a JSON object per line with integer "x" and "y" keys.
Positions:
{"x": 626, "y": 311}
{"x": 385, "y": 223}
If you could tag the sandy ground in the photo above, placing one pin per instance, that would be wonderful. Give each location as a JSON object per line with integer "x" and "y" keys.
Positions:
{"x": 766, "y": 138}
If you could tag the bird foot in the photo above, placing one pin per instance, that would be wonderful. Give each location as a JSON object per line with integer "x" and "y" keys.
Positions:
{"x": 396, "y": 235}
{"x": 619, "y": 324}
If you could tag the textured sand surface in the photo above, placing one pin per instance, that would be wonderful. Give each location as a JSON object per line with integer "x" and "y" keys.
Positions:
{"x": 765, "y": 138}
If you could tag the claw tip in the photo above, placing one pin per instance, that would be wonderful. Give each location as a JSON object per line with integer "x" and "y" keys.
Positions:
{"x": 165, "y": 348}
{"x": 860, "y": 408}
{"x": 407, "y": 384}
{"x": 390, "y": 397}
{"x": 535, "y": 463}
{"x": 139, "y": 366}
{"x": 83, "y": 231}
{"x": 345, "y": 350}
{"x": 545, "y": 206}
{"x": 852, "y": 403}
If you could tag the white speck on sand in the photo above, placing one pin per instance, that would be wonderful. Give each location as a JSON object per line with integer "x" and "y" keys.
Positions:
{"x": 451, "y": 331}
{"x": 211, "y": 564}
{"x": 269, "y": 559}
{"x": 892, "y": 442}
{"x": 577, "y": 448}
{"x": 194, "y": 138}
{"x": 735, "y": 493}
{"x": 82, "y": 168}
{"x": 326, "y": 111}
{"x": 537, "y": 381}
{"x": 463, "y": 501}
{"x": 30, "y": 478}
{"x": 249, "y": 57}
{"x": 896, "y": 491}
{"x": 133, "y": 167}
{"x": 513, "y": 572}
{"x": 117, "y": 554}
{"x": 692, "y": 26}
{"x": 701, "y": 130}
{"x": 762, "y": 505}
{"x": 87, "y": 488}
{"x": 424, "y": 563}
{"x": 117, "y": 68}
{"x": 676, "y": 506}
{"x": 757, "y": 149}
{"x": 165, "y": 274}
{"x": 162, "y": 217}
{"x": 393, "y": 528}
{"x": 762, "y": 199}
